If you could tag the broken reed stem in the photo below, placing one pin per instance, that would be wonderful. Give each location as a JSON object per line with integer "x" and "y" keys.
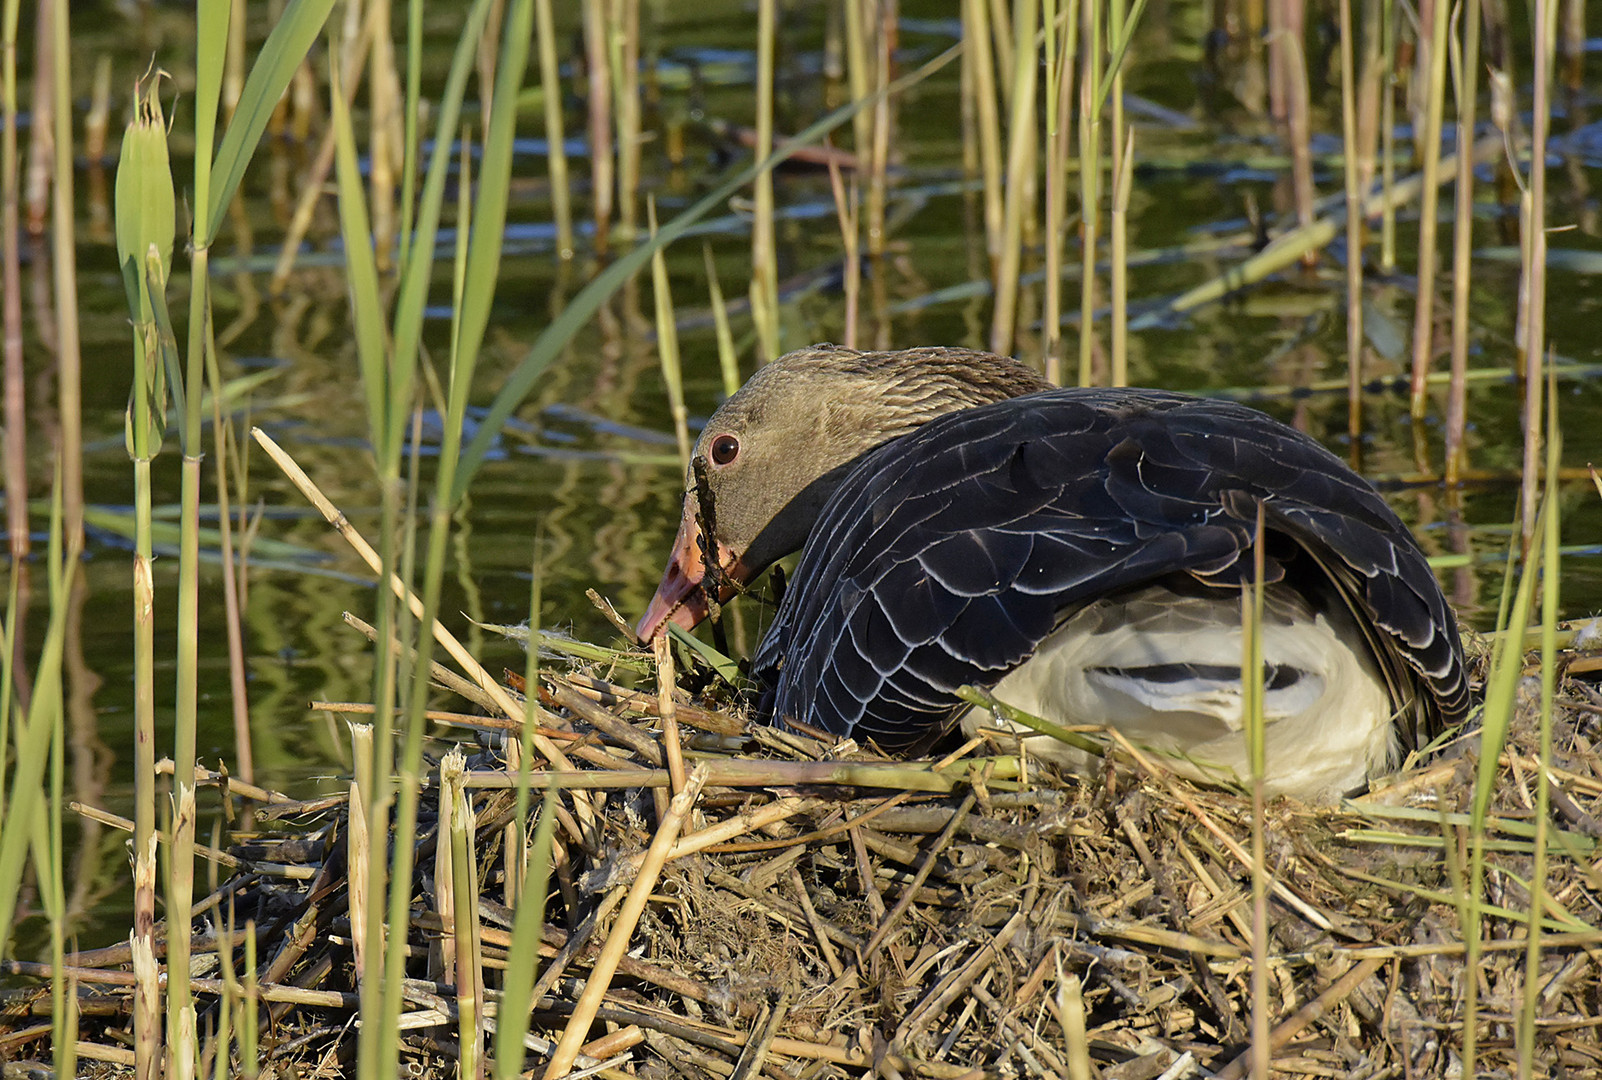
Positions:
{"x": 665, "y": 682}
{"x": 462, "y": 900}
{"x": 359, "y": 851}
{"x": 1123, "y": 177}
{"x": 1320, "y": 1006}
{"x": 617, "y": 942}
{"x": 336, "y": 518}
{"x": 910, "y": 893}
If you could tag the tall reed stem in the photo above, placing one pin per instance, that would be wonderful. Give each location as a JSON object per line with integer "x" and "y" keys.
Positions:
{"x": 1429, "y": 145}
{"x": 16, "y": 436}
{"x": 1533, "y": 218}
{"x": 1462, "y": 242}
{"x": 1354, "y": 234}
{"x": 1020, "y": 174}
{"x": 764, "y": 259}
{"x": 1089, "y": 184}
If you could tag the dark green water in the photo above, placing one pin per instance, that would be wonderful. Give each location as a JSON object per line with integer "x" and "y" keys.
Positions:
{"x": 573, "y": 461}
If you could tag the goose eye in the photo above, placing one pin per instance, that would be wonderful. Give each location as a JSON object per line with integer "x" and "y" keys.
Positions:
{"x": 724, "y": 449}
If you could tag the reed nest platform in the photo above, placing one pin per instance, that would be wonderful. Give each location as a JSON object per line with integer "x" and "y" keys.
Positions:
{"x": 806, "y": 910}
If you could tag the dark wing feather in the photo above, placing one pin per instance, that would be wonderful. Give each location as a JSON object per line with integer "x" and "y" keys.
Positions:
{"x": 948, "y": 555}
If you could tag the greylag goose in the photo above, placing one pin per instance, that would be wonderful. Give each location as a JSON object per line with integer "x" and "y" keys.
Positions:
{"x": 1080, "y": 551}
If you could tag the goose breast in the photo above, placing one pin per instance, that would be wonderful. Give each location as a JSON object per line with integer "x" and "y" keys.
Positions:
{"x": 1083, "y": 552}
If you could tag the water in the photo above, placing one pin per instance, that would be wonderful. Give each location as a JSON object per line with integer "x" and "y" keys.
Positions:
{"x": 589, "y": 459}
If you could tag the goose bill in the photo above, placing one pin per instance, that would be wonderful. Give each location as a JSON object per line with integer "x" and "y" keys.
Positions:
{"x": 680, "y": 597}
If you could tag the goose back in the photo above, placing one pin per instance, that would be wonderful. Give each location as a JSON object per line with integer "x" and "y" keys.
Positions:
{"x": 947, "y": 556}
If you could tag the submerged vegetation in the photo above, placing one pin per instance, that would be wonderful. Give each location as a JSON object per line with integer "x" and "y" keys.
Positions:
{"x": 625, "y": 880}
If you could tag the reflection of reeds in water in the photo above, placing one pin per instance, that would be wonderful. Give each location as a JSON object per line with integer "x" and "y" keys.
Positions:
{"x": 1042, "y": 98}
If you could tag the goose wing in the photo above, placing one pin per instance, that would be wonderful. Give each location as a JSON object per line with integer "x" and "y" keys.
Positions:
{"x": 948, "y": 555}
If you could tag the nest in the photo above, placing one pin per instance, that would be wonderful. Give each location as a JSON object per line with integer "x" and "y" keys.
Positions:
{"x": 803, "y": 910}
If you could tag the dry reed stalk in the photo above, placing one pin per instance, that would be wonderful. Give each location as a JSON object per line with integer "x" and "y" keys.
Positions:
{"x": 16, "y": 405}
{"x": 1354, "y": 236}
{"x": 1428, "y": 144}
{"x": 1387, "y": 129}
{"x": 625, "y": 60}
{"x": 667, "y": 343}
{"x": 617, "y": 942}
{"x": 1089, "y": 183}
{"x": 885, "y": 30}
{"x": 1296, "y": 120}
{"x": 181, "y": 1026}
{"x": 1286, "y": 1030}
{"x": 599, "y": 98}
{"x": 234, "y": 570}
{"x": 976, "y": 32}
{"x": 437, "y": 671}
{"x": 146, "y": 971}
{"x": 1123, "y": 180}
{"x": 64, "y": 265}
{"x": 1462, "y": 244}
{"x": 764, "y": 291}
{"x": 847, "y": 210}
{"x": 556, "y": 151}
{"x": 1532, "y": 291}
{"x": 463, "y": 902}
{"x": 909, "y": 894}
{"x": 1021, "y": 157}
{"x": 386, "y": 142}
{"x": 359, "y": 858}
{"x": 41, "y": 135}
{"x": 443, "y": 954}
{"x": 1059, "y": 98}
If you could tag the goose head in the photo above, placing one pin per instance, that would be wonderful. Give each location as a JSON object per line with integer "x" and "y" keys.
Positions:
{"x": 774, "y": 452}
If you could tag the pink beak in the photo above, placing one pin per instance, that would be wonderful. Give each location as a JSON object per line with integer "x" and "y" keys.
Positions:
{"x": 680, "y": 597}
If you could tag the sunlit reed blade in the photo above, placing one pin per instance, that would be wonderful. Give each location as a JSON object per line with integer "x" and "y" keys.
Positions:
{"x": 281, "y": 54}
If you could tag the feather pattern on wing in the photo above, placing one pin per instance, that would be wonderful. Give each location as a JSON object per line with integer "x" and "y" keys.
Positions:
{"x": 948, "y": 555}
